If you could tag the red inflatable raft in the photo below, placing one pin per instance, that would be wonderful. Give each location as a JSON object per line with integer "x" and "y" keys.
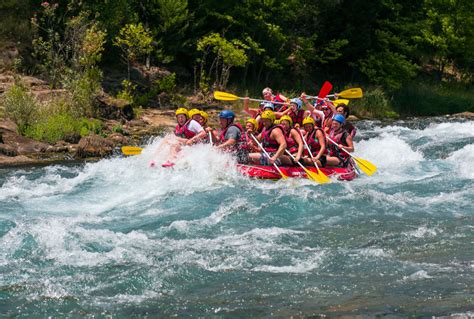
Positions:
{"x": 270, "y": 172}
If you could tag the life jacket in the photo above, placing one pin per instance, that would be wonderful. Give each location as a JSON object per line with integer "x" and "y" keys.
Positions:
{"x": 268, "y": 143}
{"x": 278, "y": 107}
{"x": 313, "y": 142}
{"x": 183, "y": 131}
{"x": 239, "y": 142}
{"x": 297, "y": 117}
{"x": 350, "y": 128}
{"x": 291, "y": 144}
{"x": 339, "y": 138}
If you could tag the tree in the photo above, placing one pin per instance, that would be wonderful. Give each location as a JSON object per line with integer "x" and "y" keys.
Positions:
{"x": 134, "y": 40}
{"x": 224, "y": 55}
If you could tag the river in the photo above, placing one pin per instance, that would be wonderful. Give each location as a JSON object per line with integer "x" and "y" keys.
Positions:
{"x": 117, "y": 238}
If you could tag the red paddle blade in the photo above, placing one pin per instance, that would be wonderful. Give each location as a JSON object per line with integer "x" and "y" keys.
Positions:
{"x": 327, "y": 87}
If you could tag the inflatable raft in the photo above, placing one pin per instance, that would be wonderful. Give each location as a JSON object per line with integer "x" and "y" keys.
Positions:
{"x": 270, "y": 172}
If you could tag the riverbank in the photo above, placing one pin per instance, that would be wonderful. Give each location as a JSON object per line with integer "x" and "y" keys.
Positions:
{"x": 16, "y": 150}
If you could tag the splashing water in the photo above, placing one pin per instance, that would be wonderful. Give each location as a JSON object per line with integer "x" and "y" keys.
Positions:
{"x": 119, "y": 238}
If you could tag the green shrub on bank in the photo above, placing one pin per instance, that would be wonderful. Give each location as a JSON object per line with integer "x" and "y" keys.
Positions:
{"x": 434, "y": 99}
{"x": 54, "y": 128}
{"x": 374, "y": 104}
{"x": 20, "y": 106}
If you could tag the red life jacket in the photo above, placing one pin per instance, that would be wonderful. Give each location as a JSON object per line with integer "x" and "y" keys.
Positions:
{"x": 313, "y": 142}
{"x": 339, "y": 138}
{"x": 222, "y": 135}
{"x": 291, "y": 144}
{"x": 183, "y": 131}
{"x": 297, "y": 117}
{"x": 350, "y": 128}
{"x": 279, "y": 107}
{"x": 268, "y": 143}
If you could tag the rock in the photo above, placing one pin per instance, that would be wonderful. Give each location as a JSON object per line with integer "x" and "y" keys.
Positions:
{"x": 466, "y": 115}
{"x": 114, "y": 109}
{"x": 353, "y": 118}
{"x": 118, "y": 139}
{"x": 6, "y": 161}
{"x": 22, "y": 145}
{"x": 94, "y": 146}
{"x": 72, "y": 138}
{"x": 8, "y": 125}
{"x": 8, "y": 150}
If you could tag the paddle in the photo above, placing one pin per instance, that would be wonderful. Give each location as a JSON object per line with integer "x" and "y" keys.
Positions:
{"x": 325, "y": 89}
{"x": 354, "y": 93}
{"x": 224, "y": 96}
{"x": 322, "y": 178}
{"x": 340, "y": 101}
{"x": 366, "y": 166}
{"x": 131, "y": 150}
{"x": 311, "y": 175}
{"x": 276, "y": 166}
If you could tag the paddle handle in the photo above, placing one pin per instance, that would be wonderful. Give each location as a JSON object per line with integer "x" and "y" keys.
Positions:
{"x": 258, "y": 100}
{"x": 264, "y": 151}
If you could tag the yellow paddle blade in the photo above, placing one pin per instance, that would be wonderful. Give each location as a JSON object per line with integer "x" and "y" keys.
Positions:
{"x": 366, "y": 166}
{"x": 354, "y": 93}
{"x": 131, "y": 150}
{"x": 322, "y": 178}
{"x": 311, "y": 175}
{"x": 340, "y": 101}
{"x": 224, "y": 96}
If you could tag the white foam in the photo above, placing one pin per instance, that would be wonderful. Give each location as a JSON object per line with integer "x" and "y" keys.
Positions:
{"x": 422, "y": 232}
{"x": 463, "y": 160}
{"x": 419, "y": 275}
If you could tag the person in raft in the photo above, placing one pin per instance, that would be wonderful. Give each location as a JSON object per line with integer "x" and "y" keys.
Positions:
{"x": 251, "y": 127}
{"x": 273, "y": 141}
{"x": 230, "y": 137}
{"x": 316, "y": 141}
{"x": 343, "y": 141}
{"x": 294, "y": 143}
{"x": 187, "y": 132}
{"x": 278, "y": 98}
{"x": 343, "y": 109}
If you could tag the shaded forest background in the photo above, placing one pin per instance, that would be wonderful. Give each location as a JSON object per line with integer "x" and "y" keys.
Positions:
{"x": 410, "y": 57}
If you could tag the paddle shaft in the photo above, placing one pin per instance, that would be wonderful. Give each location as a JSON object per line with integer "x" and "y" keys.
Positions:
{"x": 309, "y": 150}
{"x": 261, "y": 147}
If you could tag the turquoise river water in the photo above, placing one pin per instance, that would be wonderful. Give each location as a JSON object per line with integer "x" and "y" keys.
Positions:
{"x": 117, "y": 238}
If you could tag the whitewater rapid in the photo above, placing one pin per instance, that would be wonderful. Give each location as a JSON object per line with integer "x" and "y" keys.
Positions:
{"x": 117, "y": 237}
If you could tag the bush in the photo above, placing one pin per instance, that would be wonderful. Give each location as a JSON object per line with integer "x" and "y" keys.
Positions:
{"x": 434, "y": 99}
{"x": 375, "y": 103}
{"x": 54, "y": 128}
{"x": 20, "y": 106}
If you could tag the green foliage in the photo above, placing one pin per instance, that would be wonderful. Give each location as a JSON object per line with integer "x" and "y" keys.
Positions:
{"x": 127, "y": 91}
{"x": 118, "y": 129}
{"x": 425, "y": 98}
{"x": 69, "y": 48}
{"x": 225, "y": 54}
{"x": 375, "y": 103}
{"x": 20, "y": 106}
{"x": 54, "y": 128}
{"x": 166, "y": 84}
{"x": 134, "y": 40}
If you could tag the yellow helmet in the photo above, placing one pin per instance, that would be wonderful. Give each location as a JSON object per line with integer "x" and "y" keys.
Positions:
{"x": 193, "y": 112}
{"x": 309, "y": 120}
{"x": 268, "y": 114}
{"x": 276, "y": 122}
{"x": 287, "y": 118}
{"x": 205, "y": 115}
{"x": 182, "y": 110}
{"x": 254, "y": 123}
